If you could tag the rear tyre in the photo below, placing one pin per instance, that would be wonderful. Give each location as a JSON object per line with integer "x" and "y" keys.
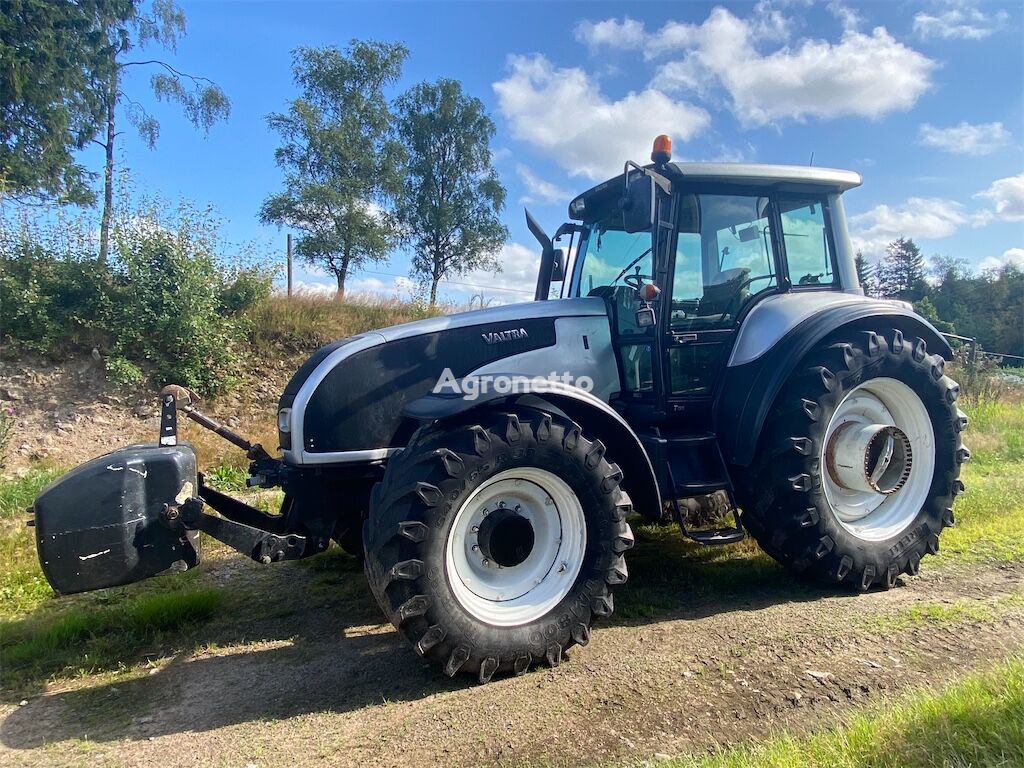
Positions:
{"x": 860, "y": 462}
{"x": 494, "y": 545}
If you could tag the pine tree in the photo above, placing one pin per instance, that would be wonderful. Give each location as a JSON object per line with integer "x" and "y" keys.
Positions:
{"x": 865, "y": 274}
{"x": 900, "y": 273}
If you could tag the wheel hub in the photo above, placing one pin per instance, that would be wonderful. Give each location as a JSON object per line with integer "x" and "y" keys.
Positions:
{"x": 870, "y": 457}
{"x": 505, "y": 537}
{"x": 878, "y": 458}
{"x": 516, "y": 546}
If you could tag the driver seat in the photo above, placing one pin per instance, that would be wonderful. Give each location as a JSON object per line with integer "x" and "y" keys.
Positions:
{"x": 724, "y": 296}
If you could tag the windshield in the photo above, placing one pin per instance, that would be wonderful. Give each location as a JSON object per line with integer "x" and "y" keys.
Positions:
{"x": 610, "y": 255}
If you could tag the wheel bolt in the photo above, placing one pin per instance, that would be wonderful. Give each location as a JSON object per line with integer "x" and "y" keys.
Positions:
{"x": 516, "y": 508}
{"x": 501, "y": 504}
{"x": 475, "y": 529}
{"x": 476, "y": 548}
{"x": 562, "y": 567}
{"x": 486, "y": 561}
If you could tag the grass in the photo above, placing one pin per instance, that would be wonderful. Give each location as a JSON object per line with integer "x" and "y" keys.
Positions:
{"x": 990, "y": 515}
{"x": 301, "y": 323}
{"x": 22, "y": 586}
{"x": 955, "y": 612}
{"x": 84, "y": 640}
{"x": 977, "y": 721}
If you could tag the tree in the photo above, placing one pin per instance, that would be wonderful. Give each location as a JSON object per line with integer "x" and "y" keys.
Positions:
{"x": 342, "y": 165}
{"x": 202, "y": 100}
{"x": 865, "y": 274}
{"x": 55, "y": 65}
{"x": 900, "y": 274}
{"x": 452, "y": 197}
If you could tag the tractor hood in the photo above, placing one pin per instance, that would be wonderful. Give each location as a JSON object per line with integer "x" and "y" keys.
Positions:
{"x": 344, "y": 403}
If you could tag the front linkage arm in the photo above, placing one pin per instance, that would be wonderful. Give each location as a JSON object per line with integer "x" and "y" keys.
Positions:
{"x": 262, "y": 546}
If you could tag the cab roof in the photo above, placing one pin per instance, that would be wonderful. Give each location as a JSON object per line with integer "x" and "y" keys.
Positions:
{"x": 787, "y": 178}
{"x": 756, "y": 174}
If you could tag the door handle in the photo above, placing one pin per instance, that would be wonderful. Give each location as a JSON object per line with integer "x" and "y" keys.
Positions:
{"x": 683, "y": 338}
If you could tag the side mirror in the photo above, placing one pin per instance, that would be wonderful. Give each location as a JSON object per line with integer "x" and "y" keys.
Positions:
{"x": 638, "y": 204}
{"x": 559, "y": 258}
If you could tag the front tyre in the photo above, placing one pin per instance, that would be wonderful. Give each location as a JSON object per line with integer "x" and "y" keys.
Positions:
{"x": 860, "y": 463}
{"x": 493, "y": 545}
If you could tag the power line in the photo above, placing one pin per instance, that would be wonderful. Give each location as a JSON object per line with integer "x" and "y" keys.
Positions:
{"x": 455, "y": 282}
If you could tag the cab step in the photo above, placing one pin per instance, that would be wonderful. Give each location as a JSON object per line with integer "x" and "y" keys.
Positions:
{"x": 714, "y": 536}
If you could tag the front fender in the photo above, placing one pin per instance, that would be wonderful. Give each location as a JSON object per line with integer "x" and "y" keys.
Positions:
{"x": 598, "y": 419}
{"x": 749, "y": 390}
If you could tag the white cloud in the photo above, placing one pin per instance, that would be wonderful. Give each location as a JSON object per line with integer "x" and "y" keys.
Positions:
{"x": 515, "y": 282}
{"x": 957, "y": 19}
{"x": 917, "y": 218}
{"x": 848, "y": 17}
{"x": 1007, "y": 198}
{"x": 611, "y": 33}
{"x": 965, "y": 138}
{"x": 865, "y": 75}
{"x": 931, "y": 218}
{"x": 538, "y": 190}
{"x": 563, "y": 112}
{"x": 1014, "y": 256}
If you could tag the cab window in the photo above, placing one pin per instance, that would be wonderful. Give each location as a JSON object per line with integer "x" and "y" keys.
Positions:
{"x": 808, "y": 253}
{"x": 615, "y": 264}
{"x": 724, "y": 258}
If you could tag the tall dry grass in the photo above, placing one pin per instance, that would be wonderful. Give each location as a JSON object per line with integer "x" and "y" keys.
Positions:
{"x": 307, "y": 321}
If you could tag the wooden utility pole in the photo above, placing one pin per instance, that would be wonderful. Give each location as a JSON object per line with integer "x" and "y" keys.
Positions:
{"x": 289, "y": 266}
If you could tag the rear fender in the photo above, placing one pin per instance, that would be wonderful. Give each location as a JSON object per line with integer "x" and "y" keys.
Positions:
{"x": 749, "y": 390}
{"x": 598, "y": 419}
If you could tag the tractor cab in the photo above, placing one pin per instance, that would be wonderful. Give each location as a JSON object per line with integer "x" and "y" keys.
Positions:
{"x": 683, "y": 252}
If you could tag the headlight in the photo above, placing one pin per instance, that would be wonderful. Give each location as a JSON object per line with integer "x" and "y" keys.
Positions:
{"x": 284, "y": 420}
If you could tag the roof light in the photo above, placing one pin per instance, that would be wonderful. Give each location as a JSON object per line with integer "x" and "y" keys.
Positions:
{"x": 662, "y": 151}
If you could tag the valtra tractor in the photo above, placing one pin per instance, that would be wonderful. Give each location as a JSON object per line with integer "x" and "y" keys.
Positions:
{"x": 699, "y": 350}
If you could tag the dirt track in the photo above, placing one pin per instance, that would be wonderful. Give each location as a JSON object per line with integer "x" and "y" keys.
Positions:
{"x": 334, "y": 685}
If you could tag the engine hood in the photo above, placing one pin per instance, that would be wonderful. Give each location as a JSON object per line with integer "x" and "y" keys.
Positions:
{"x": 346, "y": 400}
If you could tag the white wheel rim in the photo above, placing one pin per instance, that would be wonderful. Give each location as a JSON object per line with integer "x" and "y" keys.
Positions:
{"x": 893, "y": 412}
{"x": 510, "y": 595}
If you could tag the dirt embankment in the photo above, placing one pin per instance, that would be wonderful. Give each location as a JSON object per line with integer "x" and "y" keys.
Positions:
{"x": 67, "y": 412}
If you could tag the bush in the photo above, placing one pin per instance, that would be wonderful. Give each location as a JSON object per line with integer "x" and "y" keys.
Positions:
{"x": 123, "y": 373}
{"x": 48, "y": 300}
{"x": 246, "y": 288}
{"x": 165, "y": 304}
{"x": 167, "y": 310}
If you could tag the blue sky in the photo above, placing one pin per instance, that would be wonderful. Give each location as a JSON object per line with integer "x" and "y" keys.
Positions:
{"x": 923, "y": 97}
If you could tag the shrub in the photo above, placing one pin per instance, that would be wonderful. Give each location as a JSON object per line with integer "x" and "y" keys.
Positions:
{"x": 123, "y": 373}
{"x": 167, "y": 308}
{"x": 165, "y": 303}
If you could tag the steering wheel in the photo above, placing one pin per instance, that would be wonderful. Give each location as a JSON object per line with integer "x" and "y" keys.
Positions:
{"x": 746, "y": 283}
{"x": 636, "y": 281}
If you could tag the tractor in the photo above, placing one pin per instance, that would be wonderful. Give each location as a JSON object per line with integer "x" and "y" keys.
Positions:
{"x": 699, "y": 351}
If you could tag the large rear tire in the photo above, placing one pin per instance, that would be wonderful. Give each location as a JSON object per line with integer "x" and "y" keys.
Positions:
{"x": 860, "y": 461}
{"x": 495, "y": 544}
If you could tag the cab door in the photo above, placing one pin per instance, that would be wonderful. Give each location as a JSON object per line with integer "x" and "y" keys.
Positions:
{"x": 725, "y": 258}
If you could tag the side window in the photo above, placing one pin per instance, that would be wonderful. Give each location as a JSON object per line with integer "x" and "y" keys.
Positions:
{"x": 805, "y": 234}
{"x": 723, "y": 258}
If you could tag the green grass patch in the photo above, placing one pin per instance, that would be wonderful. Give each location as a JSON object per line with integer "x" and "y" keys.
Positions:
{"x": 955, "y": 612}
{"x": 22, "y": 586}
{"x": 977, "y": 721}
{"x": 84, "y": 640}
{"x": 990, "y": 515}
